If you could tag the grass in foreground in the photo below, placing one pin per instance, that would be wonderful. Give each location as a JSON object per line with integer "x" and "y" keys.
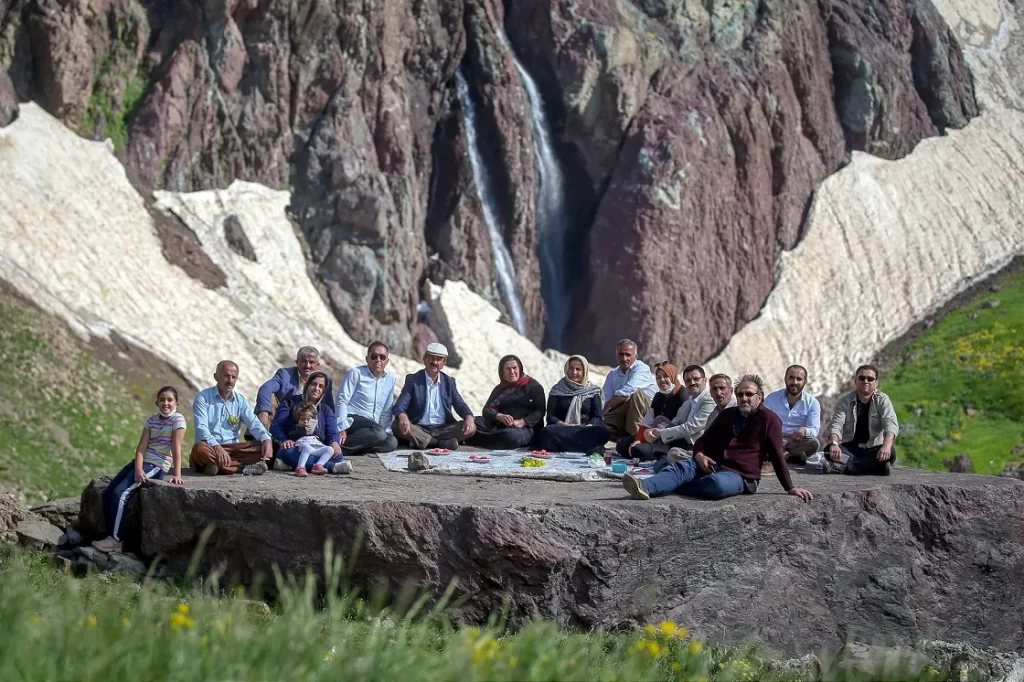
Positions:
{"x": 958, "y": 387}
{"x": 105, "y": 627}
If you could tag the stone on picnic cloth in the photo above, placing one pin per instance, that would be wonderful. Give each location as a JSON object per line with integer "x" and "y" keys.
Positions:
{"x": 419, "y": 462}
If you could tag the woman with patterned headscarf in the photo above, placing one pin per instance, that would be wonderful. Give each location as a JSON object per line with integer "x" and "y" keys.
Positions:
{"x": 664, "y": 407}
{"x": 574, "y": 412}
{"x": 513, "y": 412}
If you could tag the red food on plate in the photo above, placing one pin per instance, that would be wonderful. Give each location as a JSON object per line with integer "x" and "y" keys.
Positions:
{"x": 440, "y": 451}
{"x": 540, "y": 453}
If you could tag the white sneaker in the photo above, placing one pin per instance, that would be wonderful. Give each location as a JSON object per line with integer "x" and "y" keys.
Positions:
{"x": 342, "y": 467}
{"x": 281, "y": 466}
{"x": 257, "y": 469}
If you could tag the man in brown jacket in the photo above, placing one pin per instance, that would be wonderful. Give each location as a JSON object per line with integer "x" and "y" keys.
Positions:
{"x": 862, "y": 431}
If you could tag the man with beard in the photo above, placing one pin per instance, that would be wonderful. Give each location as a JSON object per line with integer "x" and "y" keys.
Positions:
{"x": 727, "y": 459}
{"x": 800, "y": 413}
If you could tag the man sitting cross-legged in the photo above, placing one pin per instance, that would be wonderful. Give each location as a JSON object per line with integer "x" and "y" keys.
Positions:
{"x": 727, "y": 459}
{"x": 365, "y": 399}
{"x": 218, "y": 413}
{"x": 289, "y": 381}
{"x": 800, "y": 413}
{"x": 863, "y": 429}
{"x": 628, "y": 390}
{"x": 423, "y": 412}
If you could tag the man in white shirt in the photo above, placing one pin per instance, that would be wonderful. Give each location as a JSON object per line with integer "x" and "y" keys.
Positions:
{"x": 365, "y": 399}
{"x": 800, "y": 413}
{"x": 628, "y": 390}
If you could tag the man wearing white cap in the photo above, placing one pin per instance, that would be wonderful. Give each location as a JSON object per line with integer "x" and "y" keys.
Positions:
{"x": 423, "y": 412}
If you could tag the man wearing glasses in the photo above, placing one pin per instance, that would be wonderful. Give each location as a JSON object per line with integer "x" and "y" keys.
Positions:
{"x": 365, "y": 399}
{"x": 862, "y": 431}
{"x": 728, "y": 458}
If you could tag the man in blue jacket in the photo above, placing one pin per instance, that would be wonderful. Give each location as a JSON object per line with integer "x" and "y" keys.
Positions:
{"x": 289, "y": 381}
{"x": 423, "y": 412}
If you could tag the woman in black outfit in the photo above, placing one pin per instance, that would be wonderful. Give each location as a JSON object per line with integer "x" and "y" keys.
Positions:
{"x": 574, "y": 412}
{"x": 514, "y": 410}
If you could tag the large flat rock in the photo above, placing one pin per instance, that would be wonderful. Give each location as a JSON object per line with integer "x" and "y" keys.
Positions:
{"x": 885, "y": 561}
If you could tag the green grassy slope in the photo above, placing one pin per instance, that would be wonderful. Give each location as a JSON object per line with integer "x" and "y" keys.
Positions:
{"x": 959, "y": 385}
{"x": 66, "y": 416}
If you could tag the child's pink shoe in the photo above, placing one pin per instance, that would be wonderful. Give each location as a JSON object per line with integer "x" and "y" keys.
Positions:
{"x": 318, "y": 469}
{"x": 301, "y": 471}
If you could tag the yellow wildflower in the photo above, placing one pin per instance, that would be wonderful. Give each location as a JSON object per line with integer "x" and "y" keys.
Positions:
{"x": 696, "y": 647}
{"x": 676, "y": 667}
{"x": 650, "y": 630}
{"x": 183, "y": 609}
{"x": 179, "y": 621}
{"x": 34, "y": 619}
{"x": 667, "y": 628}
{"x": 513, "y": 661}
{"x": 125, "y": 622}
{"x": 91, "y": 621}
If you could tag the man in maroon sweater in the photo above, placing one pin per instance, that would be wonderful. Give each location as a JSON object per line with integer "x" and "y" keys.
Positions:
{"x": 727, "y": 459}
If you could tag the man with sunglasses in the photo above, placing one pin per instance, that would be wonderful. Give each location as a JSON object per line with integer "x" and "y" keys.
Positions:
{"x": 728, "y": 458}
{"x": 862, "y": 431}
{"x": 365, "y": 399}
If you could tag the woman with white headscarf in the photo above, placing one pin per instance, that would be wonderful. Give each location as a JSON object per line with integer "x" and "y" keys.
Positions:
{"x": 574, "y": 412}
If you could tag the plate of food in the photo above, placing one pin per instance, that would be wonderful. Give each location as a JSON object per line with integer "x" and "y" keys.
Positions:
{"x": 440, "y": 451}
{"x": 479, "y": 459}
{"x": 540, "y": 453}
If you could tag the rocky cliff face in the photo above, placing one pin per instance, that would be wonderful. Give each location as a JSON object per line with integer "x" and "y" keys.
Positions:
{"x": 691, "y": 134}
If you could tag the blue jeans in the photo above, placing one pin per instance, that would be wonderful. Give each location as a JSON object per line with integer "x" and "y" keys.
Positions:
{"x": 117, "y": 493}
{"x": 290, "y": 456}
{"x": 686, "y": 478}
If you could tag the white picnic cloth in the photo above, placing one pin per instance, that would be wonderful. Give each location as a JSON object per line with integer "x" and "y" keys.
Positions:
{"x": 572, "y": 467}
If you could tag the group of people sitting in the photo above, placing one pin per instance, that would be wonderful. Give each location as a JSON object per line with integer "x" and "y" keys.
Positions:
{"x": 707, "y": 438}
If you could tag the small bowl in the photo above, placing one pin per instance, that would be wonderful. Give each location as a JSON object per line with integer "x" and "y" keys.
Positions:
{"x": 618, "y": 467}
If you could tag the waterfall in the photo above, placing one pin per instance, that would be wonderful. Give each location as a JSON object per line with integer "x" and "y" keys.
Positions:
{"x": 502, "y": 260}
{"x": 552, "y": 223}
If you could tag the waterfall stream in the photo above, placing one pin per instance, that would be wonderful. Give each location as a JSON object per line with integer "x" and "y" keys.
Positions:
{"x": 552, "y": 223}
{"x": 503, "y": 266}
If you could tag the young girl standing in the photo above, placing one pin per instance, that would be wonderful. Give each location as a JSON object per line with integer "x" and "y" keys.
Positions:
{"x": 159, "y": 448}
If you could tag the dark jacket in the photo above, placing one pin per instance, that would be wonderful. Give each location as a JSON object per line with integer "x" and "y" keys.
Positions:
{"x": 526, "y": 403}
{"x": 283, "y": 427}
{"x": 413, "y": 399}
{"x": 590, "y": 410}
{"x": 282, "y": 385}
{"x": 759, "y": 439}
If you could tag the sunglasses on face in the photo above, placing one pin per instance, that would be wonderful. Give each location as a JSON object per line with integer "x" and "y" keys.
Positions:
{"x": 745, "y": 394}
{"x": 864, "y": 378}
{"x": 378, "y": 356}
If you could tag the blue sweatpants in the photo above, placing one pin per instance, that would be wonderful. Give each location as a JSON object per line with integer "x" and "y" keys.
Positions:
{"x": 119, "y": 491}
